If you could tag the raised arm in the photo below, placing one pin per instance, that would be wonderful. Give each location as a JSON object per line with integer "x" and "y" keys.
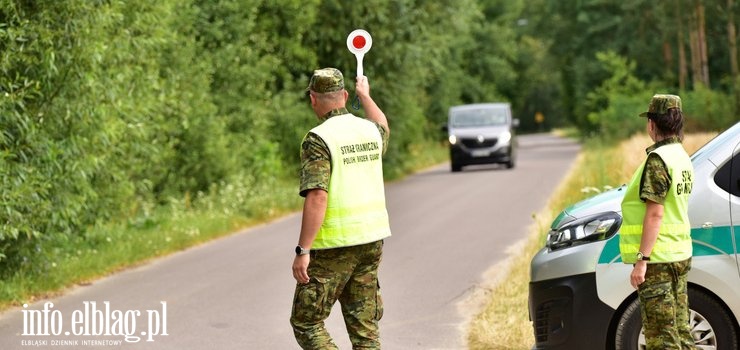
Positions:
{"x": 372, "y": 111}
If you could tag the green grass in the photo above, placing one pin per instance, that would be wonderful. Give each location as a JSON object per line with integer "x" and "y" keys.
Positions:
{"x": 420, "y": 157}
{"x": 503, "y": 321}
{"x": 108, "y": 248}
{"x": 158, "y": 231}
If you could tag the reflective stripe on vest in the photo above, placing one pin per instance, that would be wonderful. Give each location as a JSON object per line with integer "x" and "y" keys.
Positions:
{"x": 356, "y": 212}
{"x": 674, "y": 236}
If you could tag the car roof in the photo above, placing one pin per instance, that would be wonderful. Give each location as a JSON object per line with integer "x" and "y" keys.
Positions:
{"x": 480, "y": 105}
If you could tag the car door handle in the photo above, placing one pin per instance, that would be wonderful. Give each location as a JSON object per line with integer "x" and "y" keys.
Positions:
{"x": 707, "y": 225}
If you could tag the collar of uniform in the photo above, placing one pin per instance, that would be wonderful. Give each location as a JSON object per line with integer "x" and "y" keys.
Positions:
{"x": 666, "y": 141}
{"x": 334, "y": 112}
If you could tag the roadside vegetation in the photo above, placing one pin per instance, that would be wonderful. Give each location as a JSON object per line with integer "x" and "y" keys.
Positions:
{"x": 130, "y": 129}
{"x": 161, "y": 230}
{"x": 503, "y": 324}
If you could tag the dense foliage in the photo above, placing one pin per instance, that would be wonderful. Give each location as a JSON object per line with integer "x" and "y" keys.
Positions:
{"x": 611, "y": 56}
{"x": 109, "y": 108}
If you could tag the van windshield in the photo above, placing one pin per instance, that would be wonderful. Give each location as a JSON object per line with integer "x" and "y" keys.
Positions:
{"x": 478, "y": 117}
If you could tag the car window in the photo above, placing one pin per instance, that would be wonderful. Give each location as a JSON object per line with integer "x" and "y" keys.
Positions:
{"x": 478, "y": 117}
{"x": 728, "y": 176}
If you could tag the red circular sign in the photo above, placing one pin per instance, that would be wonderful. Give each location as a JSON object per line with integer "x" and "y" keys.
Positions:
{"x": 358, "y": 42}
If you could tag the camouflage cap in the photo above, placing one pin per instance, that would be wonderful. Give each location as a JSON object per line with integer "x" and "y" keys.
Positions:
{"x": 660, "y": 104}
{"x": 326, "y": 80}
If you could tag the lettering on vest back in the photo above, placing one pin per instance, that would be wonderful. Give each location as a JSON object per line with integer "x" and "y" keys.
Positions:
{"x": 366, "y": 147}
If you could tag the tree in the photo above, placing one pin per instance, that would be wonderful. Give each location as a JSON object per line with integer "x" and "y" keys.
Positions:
{"x": 698, "y": 44}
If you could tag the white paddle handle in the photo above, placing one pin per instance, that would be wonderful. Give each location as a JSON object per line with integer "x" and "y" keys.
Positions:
{"x": 360, "y": 72}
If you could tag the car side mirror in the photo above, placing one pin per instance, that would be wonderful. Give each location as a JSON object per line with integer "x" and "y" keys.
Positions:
{"x": 445, "y": 128}
{"x": 515, "y": 122}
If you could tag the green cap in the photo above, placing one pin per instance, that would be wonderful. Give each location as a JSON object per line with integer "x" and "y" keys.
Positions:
{"x": 661, "y": 103}
{"x": 326, "y": 80}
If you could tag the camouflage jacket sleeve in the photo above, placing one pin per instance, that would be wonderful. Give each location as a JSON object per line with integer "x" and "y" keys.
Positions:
{"x": 655, "y": 180}
{"x": 384, "y": 136}
{"x": 315, "y": 164}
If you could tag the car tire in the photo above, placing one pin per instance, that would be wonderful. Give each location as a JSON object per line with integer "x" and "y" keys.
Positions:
{"x": 720, "y": 333}
{"x": 512, "y": 161}
{"x": 455, "y": 167}
{"x": 510, "y": 164}
{"x": 629, "y": 328}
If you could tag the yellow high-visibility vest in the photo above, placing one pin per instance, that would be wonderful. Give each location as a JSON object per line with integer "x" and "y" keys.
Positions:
{"x": 356, "y": 212}
{"x": 674, "y": 236}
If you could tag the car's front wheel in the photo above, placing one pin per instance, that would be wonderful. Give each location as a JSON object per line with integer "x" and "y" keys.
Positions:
{"x": 512, "y": 161}
{"x": 510, "y": 164}
{"x": 711, "y": 326}
{"x": 455, "y": 167}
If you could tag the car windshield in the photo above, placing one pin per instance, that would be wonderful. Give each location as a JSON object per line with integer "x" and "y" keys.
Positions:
{"x": 478, "y": 117}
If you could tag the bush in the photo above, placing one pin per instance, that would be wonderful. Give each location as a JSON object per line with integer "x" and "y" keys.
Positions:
{"x": 708, "y": 110}
{"x": 113, "y": 110}
{"x": 622, "y": 97}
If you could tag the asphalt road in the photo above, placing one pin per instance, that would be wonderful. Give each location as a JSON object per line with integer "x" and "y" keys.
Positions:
{"x": 450, "y": 230}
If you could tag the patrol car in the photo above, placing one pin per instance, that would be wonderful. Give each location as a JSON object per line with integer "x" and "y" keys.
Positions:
{"x": 580, "y": 296}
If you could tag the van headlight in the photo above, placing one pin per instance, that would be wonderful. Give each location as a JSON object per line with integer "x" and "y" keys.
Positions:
{"x": 453, "y": 139}
{"x": 505, "y": 137}
{"x": 588, "y": 229}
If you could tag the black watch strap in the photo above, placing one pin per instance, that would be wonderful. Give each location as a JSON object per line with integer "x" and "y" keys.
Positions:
{"x": 642, "y": 257}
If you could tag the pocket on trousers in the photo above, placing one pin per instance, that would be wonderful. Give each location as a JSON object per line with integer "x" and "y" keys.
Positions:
{"x": 378, "y": 304}
{"x": 310, "y": 300}
{"x": 657, "y": 306}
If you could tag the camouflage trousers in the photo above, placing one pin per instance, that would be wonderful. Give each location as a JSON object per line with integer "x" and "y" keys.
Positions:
{"x": 349, "y": 275}
{"x": 664, "y": 306}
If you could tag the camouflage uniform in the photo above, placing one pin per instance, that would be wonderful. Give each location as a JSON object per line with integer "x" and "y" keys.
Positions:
{"x": 350, "y": 275}
{"x": 346, "y": 274}
{"x": 664, "y": 306}
{"x": 664, "y": 302}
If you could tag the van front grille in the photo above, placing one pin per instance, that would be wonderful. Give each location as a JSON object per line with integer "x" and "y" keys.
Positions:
{"x": 477, "y": 143}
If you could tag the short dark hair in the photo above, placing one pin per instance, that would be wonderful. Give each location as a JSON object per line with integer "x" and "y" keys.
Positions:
{"x": 670, "y": 123}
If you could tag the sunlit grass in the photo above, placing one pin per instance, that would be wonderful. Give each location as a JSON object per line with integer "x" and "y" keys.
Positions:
{"x": 503, "y": 322}
{"x": 112, "y": 247}
{"x": 183, "y": 223}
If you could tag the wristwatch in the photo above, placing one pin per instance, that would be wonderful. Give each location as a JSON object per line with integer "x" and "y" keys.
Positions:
{"x": 300, "y": 251}
{"x": 642, "y": 257}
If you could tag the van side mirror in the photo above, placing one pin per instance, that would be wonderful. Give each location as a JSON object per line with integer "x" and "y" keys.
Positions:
{"x": 515, "y": 122}
{"x": 445, "y": 128}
